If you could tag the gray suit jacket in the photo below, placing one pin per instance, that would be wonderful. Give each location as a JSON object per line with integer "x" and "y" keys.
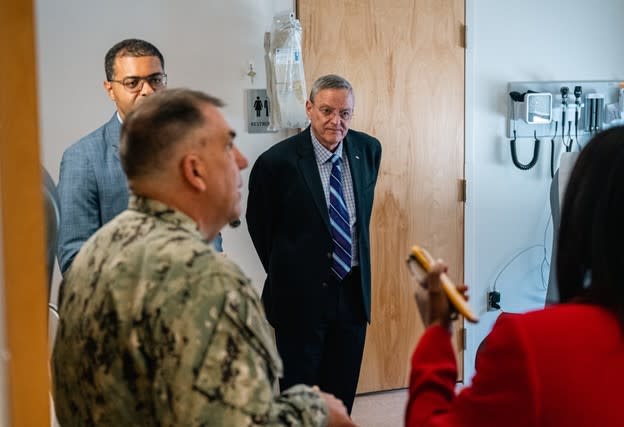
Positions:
{"x": 92, "y": 188}
{"x": 52, "y": 221}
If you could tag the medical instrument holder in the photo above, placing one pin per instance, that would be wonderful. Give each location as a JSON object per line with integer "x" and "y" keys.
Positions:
{"x": 607, "y": 115}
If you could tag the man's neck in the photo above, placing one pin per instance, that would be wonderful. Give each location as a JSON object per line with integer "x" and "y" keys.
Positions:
{"x": 180, "y": 200}
{"x": 316, "y": 138}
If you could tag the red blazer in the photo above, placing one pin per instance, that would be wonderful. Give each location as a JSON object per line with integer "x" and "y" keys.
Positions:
{"x": 562, "y": 366}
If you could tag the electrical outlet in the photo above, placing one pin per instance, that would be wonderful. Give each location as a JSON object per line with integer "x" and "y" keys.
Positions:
{"x": 493, "y": 301}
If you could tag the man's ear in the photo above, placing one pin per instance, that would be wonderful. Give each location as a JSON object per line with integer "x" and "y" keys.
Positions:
{"x": 108, "y": 87}
{"x": 194, "y": 172}
{"x": 308, "y": 108}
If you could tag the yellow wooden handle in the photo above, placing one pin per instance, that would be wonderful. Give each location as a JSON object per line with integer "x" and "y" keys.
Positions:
{"x": 425, "y": 260}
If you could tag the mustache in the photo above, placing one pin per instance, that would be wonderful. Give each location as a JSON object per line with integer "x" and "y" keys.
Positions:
{"x": 235, "y": 223}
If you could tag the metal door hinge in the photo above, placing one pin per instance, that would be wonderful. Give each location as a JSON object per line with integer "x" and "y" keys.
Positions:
{"x": 464, "y": 36}
{"x": 464, "y": 338}
{"x": 462, "y": 190}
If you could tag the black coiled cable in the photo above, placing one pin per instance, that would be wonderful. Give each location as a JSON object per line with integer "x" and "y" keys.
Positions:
{"x": 514, "y": 156}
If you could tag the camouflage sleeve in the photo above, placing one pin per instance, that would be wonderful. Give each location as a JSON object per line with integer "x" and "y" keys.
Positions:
{"x": 235, "y": 368}
{"x": 312, "y": 409}
{"x": 238, "y": 370}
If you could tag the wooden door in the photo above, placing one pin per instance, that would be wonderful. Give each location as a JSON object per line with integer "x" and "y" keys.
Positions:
{"x": 405, "y": 60}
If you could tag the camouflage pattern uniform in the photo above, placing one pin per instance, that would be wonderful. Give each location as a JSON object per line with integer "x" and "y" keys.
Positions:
{"x": 157, "y": 329}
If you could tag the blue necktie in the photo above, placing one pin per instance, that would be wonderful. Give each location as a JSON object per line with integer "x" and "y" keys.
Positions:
{"x": 339, "y": 222}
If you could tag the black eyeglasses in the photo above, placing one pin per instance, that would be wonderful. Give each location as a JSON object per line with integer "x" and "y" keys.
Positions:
{"x": 135, "y": 84}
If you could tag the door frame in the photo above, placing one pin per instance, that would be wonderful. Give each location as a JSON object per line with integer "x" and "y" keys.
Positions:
{"x": 23, "y": 279}
{"x": 470, "y": 250}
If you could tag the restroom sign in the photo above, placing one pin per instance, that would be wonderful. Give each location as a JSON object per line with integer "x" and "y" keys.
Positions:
{"x": 258, "y": 111}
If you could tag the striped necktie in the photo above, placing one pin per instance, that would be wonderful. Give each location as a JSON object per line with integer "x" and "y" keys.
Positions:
{"x": 339, "y": 222}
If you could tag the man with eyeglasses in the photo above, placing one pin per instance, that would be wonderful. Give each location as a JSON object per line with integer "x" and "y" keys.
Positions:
{"x": 93, "y": 188}
{"x": 308, "y": 213}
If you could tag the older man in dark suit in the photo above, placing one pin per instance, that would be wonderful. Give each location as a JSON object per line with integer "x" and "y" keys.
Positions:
{"x": 308, "y": 213}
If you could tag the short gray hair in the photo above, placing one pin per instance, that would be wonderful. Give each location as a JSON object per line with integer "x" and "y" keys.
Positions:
{"x": 329, "y": 81}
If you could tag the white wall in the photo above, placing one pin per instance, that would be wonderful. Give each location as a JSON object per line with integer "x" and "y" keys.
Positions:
{"x": 508, "y": 209}
{"x": 207, "y": 45}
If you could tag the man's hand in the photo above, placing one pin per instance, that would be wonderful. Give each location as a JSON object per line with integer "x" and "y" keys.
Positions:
{"x": 338, "y": 416}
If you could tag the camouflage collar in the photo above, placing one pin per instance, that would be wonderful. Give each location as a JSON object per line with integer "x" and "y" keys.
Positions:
{"x": 163, "y": 212}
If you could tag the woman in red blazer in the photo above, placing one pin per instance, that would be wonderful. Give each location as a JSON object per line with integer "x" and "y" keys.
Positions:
{"x": 561, "y": 366}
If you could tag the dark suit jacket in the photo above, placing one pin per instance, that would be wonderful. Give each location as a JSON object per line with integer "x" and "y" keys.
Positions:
{"x": 288, "y": 221}
{"x": 562, "y": 366}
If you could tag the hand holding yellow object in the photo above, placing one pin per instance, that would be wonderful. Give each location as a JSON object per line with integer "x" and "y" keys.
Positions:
{"x": 425, "y": 261}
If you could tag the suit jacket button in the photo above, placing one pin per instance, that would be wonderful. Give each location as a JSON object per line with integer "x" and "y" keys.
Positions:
{"x": 324, "y": 284}
{"x": 329, "y": 255}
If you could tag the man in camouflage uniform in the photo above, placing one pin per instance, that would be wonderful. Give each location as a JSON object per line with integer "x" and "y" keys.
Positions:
{"x": 156, "y": 328}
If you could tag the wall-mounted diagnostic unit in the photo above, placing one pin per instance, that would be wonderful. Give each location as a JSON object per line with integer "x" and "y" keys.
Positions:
{"x": 535, "y": 107}
{"x": 566, "y": 111}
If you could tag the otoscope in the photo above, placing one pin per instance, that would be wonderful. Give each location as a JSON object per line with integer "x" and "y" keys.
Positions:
{"x": 577, "y": 95}
{"x": 564, "y": 107}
